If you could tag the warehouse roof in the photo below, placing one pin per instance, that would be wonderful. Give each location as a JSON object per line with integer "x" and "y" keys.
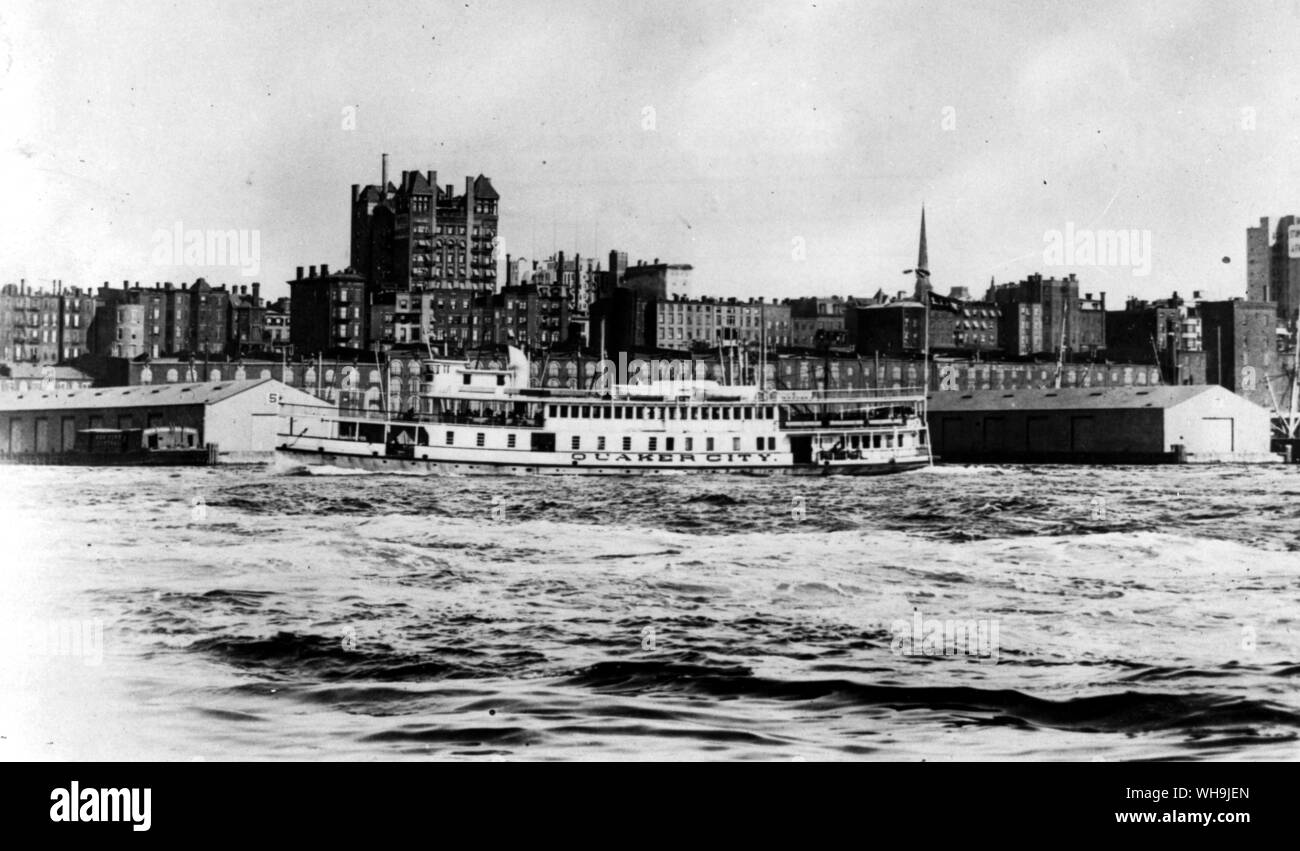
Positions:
{"x": 118, "y": 397}
{"x": 1071, "y": 398}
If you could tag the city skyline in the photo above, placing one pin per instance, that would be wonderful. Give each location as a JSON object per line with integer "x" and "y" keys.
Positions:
{"x": 761, "y": 145}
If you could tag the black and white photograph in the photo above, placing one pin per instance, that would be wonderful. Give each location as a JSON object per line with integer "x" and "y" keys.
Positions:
{"x": 673, "y": 382}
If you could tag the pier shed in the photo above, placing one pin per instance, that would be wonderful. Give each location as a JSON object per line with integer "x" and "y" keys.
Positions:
{"x": 1122, "y": 425}
{"x": 238, "y": 418}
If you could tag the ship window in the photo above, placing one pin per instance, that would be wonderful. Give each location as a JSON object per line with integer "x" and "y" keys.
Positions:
{"x": 618, "y": 413}
{"x": 586, "y": 412}
{"x": 668, "y": 444}
{"x": 695, "y": 413}
{"x": 465, "y": 378}
{"x": 735, "y": 444}
{"x": 889, "y": 441}
{"x": 451, "y": 438}
{"x": 479, "y": 439}
{"x": 627, "y": 444}
{"x": 575, "y": 443}
{"x": 726, "y": 413}
{"x": 708, "y": 444}
{"x": 875, "y": 441}
{"x": 600, "y": 444}
{"x": 690, "y": 443}
{"x": 510, "y": 441}
{"x": 762, "y": 443}
{"x": 654, "y": 444}
{"x": 552, "y": 410}
{"x": 749, "y": 413}
{"x": 501, "y": 381}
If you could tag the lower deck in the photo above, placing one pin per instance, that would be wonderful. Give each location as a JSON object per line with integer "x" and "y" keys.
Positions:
{"x": 471, "y": 447}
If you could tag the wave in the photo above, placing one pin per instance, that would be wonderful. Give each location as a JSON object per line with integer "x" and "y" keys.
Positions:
{"x": 1123, "y": 712}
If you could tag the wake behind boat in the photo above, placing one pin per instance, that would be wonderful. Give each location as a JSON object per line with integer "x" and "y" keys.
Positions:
{"x": 489, "y": 421}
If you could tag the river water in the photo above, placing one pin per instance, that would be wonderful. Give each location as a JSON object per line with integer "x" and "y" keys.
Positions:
{"x": 952, "y": 613}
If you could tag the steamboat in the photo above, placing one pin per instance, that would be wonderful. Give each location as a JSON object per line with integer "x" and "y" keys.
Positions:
{"x": 490, "y": 421}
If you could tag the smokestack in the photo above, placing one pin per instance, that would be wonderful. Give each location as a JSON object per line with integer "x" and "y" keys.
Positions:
{"x": 383, "y": 173}
{"x": 256, "y": 292}
{"x": 433, "y": 182}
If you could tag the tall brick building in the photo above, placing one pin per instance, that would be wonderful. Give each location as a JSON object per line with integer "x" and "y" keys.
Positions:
{"x": 1273, "y": 266}
{"x": 327, "y": 311}
{"x": 417, "y": 236}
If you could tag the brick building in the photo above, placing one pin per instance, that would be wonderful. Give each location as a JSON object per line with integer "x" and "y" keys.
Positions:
{"x": 417, "y": 236}
{"x": 327, "y": 311}
{"x": 44, "y": 327}
{"x": 1273, "y": 266}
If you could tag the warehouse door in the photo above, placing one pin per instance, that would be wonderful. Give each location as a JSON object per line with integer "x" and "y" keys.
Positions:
{"x": 1037, "y": 436}
{"x": 951, "y": 434}
{"x": 1081, "y": 434}
{"x": 1216, "y": 435}
{"x": 69, "y": 434}
{"x": 995, "y": 434}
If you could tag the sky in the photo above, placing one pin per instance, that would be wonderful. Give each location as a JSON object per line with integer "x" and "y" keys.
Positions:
{"x": 780, "y": 148}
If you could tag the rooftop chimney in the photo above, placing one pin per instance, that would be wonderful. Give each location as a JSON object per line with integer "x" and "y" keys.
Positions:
{"x": 300, "y": 273}
{"x": 356, "y": 192}
{"x": 383, "y": 173}
{"x": 324, "y": 269}
{"x": 312, "y": 269}
{"x": 256, "y": 292}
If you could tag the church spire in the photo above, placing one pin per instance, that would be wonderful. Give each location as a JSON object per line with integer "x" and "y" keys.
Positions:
{"x": 922, "y": 263}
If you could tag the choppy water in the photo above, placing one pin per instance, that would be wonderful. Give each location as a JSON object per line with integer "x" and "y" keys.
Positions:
{"x": 1140, "y": 612}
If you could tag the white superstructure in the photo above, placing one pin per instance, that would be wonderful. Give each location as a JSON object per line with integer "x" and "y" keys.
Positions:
{"x": 489, "y": 421}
